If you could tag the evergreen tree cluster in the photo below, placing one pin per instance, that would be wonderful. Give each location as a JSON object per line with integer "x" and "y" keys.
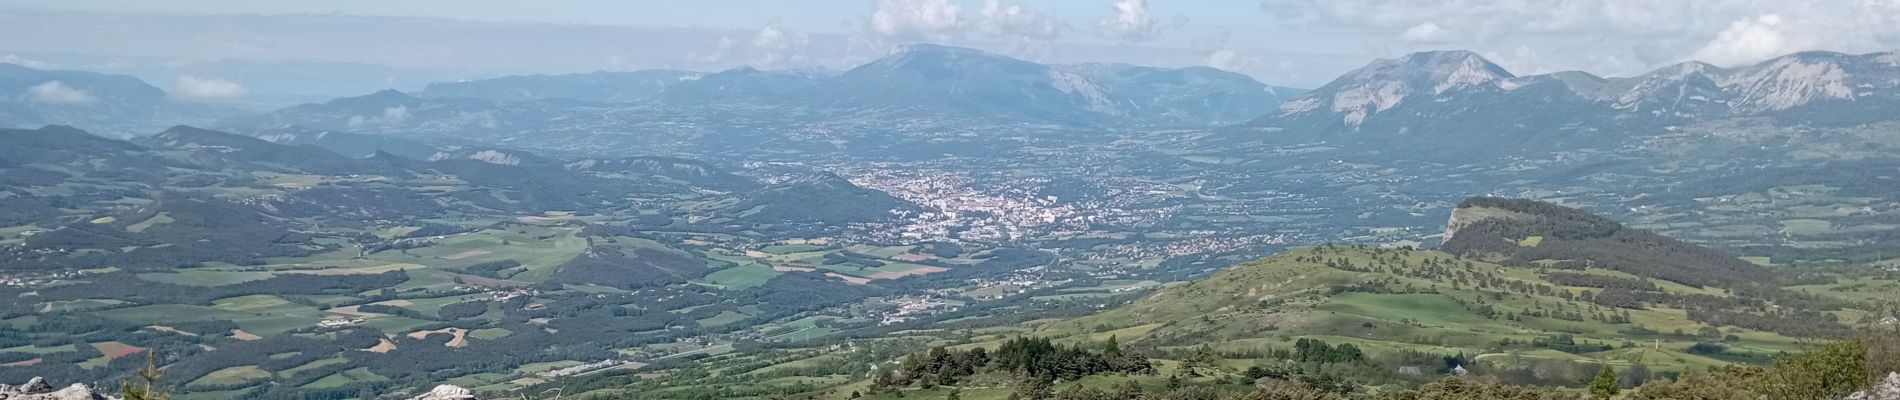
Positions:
{"x": 1315, "y": 350}
{"x": 1043, "y": 358}
{"x": 1030, "y": 359}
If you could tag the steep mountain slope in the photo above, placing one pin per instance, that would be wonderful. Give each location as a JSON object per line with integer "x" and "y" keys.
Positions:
{"x": 1443, "y": 100}
{"x": 949, "y": 78}
{"x": 1184, "y": 94}
{"x": 1675, "y": 93}
{"x": 1818, "y": 88}
{"x": 1439, "y": 100}
{"x": 1365, "y": 93}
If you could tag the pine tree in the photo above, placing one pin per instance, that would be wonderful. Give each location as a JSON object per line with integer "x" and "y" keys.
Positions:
{"x": 883, "y": 381}
{"x": 1129, "y": 390}
{"x": 1604, "y": 386}
{"x": 1204, "y": 357}
{"x": 150, "y": 375}
{"x": 1029, "y": 386}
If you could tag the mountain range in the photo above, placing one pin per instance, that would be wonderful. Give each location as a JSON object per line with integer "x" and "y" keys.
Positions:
{"x": 1429, "y": 101}
{"x": 121, "y": 104}
{"x": 1427, "y": 97}
{"x": 919, "y": 80}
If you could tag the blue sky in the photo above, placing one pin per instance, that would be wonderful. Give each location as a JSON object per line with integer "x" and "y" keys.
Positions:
{"x": 1285, "y": 42}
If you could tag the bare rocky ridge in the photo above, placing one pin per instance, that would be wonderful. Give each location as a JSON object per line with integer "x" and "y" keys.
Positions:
{"x": 39, "y": 389}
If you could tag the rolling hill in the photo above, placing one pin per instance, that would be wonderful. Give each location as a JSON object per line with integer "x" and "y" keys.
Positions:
{"x": 1357, "y": 321}
{"x": 823, "y": 198}
{"x": 1525, "y": 232}
{"x": 1514, "y": 303}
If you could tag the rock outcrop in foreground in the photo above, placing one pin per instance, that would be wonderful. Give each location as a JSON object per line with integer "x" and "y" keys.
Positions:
{"x": 38, "y": 389}
{"x": 1888, "y": 389}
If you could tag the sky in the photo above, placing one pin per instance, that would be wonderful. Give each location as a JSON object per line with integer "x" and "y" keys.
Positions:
{"x": 1299, "y": 43}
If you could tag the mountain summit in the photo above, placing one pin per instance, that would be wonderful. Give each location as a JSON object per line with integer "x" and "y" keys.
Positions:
{"x": 1449, "y": 99}
{"x": 1385, "y": 83}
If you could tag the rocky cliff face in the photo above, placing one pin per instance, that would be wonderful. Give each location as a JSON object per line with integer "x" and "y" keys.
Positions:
{"x": 1466, "y": 215}
{"x": 38, "y": 389}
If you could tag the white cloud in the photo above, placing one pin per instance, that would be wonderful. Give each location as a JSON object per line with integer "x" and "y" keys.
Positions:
{"x": 719, "y": 53}
{"x": 1024, "y": 32}
{"x": 1133, "y": 22}
{"x": 207, "y": 88}
{"x": 1014, "y": 21}
{"x": 916, "y": 18}
{"x": 776, "y": 47}
{"x": 771, "y": 47}
{"x": 1748, "y": 41}
{"x": 56, "y": 92}
{"x": 391, "y": 116}
{"x": 1427, "y": 32}
{"x": 1019, "y": 30}
{"x": 24, "y": 62}
{"x": 1520, "y": 61}
{"x": 1230, "y": 60}
{"x": 1222, "y": 57}
{"x": 1611, "y": 37}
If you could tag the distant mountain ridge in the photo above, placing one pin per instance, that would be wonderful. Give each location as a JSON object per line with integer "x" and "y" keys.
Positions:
{"x": 121, "y": 104}
{"x": 914, "y": 80}
{"x": 1461, "y": 92}
{"x": 33, "y": 97}
{"x": 602, "y": 86}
